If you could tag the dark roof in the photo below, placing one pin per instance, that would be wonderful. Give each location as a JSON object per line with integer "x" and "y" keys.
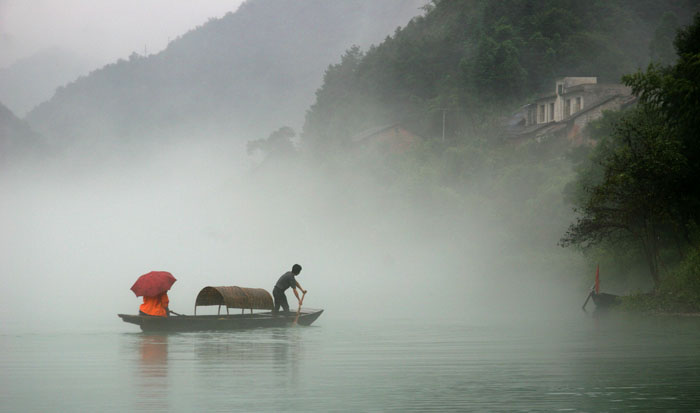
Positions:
{"x": 628, "y": 100}
{"x": 550, "y": 96}
{"x": 368, "y": 133}
{"x": 372, "y": 131}
{"x": 577, "y": 88}
{"x": 580, "y": 88}
{"x": 515, "y": 130}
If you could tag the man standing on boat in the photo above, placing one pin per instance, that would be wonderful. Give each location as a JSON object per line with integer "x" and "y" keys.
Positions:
{"x": 285, "y": 281}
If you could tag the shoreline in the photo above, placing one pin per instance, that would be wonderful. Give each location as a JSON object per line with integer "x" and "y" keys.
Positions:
{"x": 678, "y": 314}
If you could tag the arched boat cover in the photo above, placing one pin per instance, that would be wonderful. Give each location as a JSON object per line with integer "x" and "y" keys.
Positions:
{"x": 235, "y": 297}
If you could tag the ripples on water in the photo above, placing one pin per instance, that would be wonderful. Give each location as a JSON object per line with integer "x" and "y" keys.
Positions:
{"x": 582, "y": 365}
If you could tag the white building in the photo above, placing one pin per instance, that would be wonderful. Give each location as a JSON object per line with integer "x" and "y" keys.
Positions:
{"x": 575, "y": 102}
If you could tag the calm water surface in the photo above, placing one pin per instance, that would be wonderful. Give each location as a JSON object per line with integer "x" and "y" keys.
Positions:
{"x": 360, "y": 365}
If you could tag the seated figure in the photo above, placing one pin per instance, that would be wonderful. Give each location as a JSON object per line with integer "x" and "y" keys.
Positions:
{"x": 155, "y": 306}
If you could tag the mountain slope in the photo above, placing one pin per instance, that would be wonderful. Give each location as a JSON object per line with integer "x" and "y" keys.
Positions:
{"x": 474, "y": 60}
{"x": 32, "y": 80}
{"x": 16, "y": 137}
{"x": 244, "y": 74}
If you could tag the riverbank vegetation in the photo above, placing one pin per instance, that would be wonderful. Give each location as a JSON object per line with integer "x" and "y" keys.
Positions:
{"x": 639, "y": 190}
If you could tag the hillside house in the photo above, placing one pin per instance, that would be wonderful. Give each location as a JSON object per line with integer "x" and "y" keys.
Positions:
{"x": 388, "y": 138}
{"x": 576, "y": 101}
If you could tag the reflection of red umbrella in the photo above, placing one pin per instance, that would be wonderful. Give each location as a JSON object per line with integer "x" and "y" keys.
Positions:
{"x": 153, "y": 283}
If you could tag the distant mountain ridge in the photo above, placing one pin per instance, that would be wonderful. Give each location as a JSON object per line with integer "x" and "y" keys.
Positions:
{"x": 16, "y": 137}
{"x": 33, "y": 80}
{"x": 246, "y": 73}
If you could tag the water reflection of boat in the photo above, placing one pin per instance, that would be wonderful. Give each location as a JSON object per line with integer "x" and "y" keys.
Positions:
{"x": 229, "y": 297}
{"x": 154, "y": 355}
{"x": 152, "y": 380}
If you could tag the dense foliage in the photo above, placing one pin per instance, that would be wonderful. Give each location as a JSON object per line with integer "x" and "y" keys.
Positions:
{"x": 642, "y": 164}
{"x": 476, "y": 59}
{"x": 641, "y": 180}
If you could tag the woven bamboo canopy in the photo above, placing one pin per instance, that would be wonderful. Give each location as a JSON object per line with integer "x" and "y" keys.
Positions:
{"x": 234, "y": 297}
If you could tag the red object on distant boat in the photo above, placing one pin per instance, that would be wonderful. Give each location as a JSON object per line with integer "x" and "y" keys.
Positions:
{"x": 153, "y": 283}
{"x": 597, "y": 279}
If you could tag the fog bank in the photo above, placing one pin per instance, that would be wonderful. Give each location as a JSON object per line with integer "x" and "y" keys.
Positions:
{"x": 79, "y": 230}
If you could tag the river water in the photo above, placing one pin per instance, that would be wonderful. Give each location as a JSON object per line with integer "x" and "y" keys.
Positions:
{"x": 579, "y": 364}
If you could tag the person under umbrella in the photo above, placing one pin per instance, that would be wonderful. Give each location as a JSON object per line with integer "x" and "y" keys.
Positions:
{"x": 155, "y": 306}
{"x": 153, "y": 286}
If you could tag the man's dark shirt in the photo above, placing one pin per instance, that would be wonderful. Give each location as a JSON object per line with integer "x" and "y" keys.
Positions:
{"x": 287, "y": 280}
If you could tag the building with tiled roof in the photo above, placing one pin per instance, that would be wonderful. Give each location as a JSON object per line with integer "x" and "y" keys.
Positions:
{"x": 576, "y": 101}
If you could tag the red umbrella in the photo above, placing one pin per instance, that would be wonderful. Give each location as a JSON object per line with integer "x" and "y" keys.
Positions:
{"x": 153, "y": 283}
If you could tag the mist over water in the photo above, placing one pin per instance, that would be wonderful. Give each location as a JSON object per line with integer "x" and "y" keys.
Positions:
{"x": 80, "y": 228}
{"x": 427, "y": 231}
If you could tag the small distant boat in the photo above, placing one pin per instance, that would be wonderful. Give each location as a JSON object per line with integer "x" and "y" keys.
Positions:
{"x": 602, "y": 301}
{"x": 229, "y": 297}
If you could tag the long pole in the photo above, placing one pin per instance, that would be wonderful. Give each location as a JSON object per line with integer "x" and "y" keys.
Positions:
{"x": 583, "y": 307}
{"x": 299, "y": 309}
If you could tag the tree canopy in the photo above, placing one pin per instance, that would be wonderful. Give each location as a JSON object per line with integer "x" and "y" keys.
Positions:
{"x": 480, "y": 59}
{"x": 650, "y": 161}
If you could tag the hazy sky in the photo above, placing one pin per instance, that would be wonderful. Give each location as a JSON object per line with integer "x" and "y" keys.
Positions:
{"x": 101, "y": 31}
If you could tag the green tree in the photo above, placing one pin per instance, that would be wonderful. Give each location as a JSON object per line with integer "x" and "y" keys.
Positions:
{"x": 644, "y": 185}
{"x": 674, "y": 93}
{"x": 643, "y": 167}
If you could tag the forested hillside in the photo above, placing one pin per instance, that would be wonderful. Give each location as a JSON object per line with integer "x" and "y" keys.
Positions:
{"x": 478, "y": 58}
{"x": 32, "y": 80}
{"x": 250, "y": 71}
{"x": 470, "y": 63}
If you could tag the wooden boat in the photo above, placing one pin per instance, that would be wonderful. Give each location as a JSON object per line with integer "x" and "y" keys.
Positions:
{"x": 229, "y": 297}
{"x": 220, "y": 322}
{"x": 604, "y": 301}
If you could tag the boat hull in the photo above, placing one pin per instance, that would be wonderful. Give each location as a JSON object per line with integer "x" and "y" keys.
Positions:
{"x": 220, "y": 322}
{"x": 604, "y": 301}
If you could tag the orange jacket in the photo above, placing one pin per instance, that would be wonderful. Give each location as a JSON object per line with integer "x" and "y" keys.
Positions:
{"x": 156, "y": 305}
